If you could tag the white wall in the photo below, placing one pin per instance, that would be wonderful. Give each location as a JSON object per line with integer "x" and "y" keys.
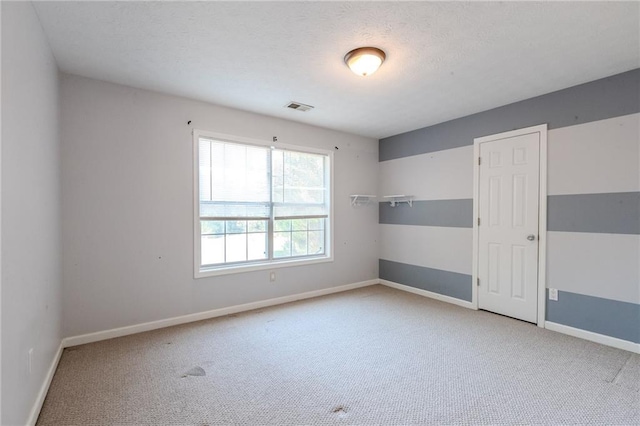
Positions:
{"x": 440, "y": 175}
{"x": 607, "y": 152}
{"x": 127, "y": 207}
{"x": 31, "y": 284}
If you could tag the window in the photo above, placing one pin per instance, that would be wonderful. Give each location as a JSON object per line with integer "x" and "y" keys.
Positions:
{"x": 259, "y": 205}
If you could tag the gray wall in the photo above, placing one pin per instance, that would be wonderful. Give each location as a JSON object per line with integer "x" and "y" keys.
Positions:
{"x": 31, "y": 284}
{"x": 128, "y": 206}
{"x": 593, "y": 248}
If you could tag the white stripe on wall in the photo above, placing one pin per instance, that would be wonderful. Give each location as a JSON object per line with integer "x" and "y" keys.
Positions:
{"x": 436, "y": 247}
{"x": 599, "y": 265}
{"x": 596, "y": 157}
{"x": 440, "y": 175}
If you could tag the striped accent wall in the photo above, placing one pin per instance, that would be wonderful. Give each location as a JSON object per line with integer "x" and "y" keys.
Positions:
{"x": 593, "y": 238}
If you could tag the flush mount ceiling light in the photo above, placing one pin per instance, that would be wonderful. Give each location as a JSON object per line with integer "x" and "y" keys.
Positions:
{"x": 365, "y": 61}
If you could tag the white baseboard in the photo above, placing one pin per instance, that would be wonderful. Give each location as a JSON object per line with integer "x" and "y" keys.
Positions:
{"x": 564, "y": 329}
{"x": 154, "y": 325}
{"x": 594, "y": 337}
{"x": 37, "y": 406}
{"x": 428, "y": 294}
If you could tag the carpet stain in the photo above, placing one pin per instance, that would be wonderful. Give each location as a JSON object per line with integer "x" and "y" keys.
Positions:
{"x": 340, "y": 410}
{"x": 195, "y": 371}
{"x": 628, "y": 375}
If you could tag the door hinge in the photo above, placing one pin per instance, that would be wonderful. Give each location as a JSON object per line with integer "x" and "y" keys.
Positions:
{"x": 479, "y": 160}
{"x": 478, "y": 282}
{"x": 478, "y": 221}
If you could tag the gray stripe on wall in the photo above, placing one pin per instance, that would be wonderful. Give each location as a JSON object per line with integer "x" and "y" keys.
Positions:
{"x": 609, "y": 213}
{"x": 438, "y": 281}
{"x": 603, "y": 316}
{"x": 598, "y": 100}
{"x": 449, "y": 213}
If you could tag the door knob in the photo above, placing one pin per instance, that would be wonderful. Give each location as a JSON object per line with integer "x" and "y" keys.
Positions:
{"x": 531, "y": 237}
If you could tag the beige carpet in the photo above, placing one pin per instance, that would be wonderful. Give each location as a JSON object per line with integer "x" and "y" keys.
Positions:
{"x": 369, "y": 356}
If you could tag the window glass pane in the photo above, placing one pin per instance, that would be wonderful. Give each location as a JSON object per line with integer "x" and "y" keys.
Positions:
{"x": 316, "y": 242}
{"x": 257, "y": 226}
{"x": 303, "y": 177}
{"x": 316, "y": 224}
{"x": 239, "y": 172}
{"x": 236, "y": 226}
{"x": 281, "y": 244}
{"x": 299, "y": 243}
{"x": 301, "y": 184}
{"x": 257, "y": 246}
{"x": 282, "y": 225}
{"x": 236, "y": 247}
{"x": 299, "y": 224}
{"x": 211, "y": 227}
{"x": 234, "y": 179}
{"x": 212, "y": 249}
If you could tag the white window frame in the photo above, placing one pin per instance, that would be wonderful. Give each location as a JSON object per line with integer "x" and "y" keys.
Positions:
{"x": 200, "y": 272}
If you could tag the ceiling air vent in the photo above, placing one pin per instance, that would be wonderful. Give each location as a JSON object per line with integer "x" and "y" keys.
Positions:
{"x": 299, "y": 106}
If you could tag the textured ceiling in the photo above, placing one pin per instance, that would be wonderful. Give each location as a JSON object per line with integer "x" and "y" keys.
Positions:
{"x": 444, "y": 60}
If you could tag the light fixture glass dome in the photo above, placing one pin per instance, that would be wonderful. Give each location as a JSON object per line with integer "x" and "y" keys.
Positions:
{"x": 364, "y": 61}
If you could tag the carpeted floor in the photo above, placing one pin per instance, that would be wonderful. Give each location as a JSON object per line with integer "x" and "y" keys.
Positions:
{"x": 370, "y": 356}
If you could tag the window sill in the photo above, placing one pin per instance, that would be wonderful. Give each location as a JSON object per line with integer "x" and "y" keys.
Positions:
{"x": 226, "y": 270}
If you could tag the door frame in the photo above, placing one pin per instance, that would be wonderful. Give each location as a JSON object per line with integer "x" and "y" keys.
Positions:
{"x": 542, "y": 213}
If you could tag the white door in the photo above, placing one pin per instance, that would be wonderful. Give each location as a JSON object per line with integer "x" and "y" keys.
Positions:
{"x": 508, "y": 226}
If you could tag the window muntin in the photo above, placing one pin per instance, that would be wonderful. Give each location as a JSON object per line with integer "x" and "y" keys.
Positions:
{"x": 299, "y": 237}
{"x": 229, "y": 241}
{"x": 260, "y": 204}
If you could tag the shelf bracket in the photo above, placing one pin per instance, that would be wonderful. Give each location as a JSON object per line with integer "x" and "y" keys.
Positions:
{"x": 361, "y": 199}
{"x": 395, "y": 200}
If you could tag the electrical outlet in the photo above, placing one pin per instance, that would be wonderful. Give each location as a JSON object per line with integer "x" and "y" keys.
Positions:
{"x": 272, "y": 276}
{"x": 553, "y": 294}
{"x": 30, "y": 360}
